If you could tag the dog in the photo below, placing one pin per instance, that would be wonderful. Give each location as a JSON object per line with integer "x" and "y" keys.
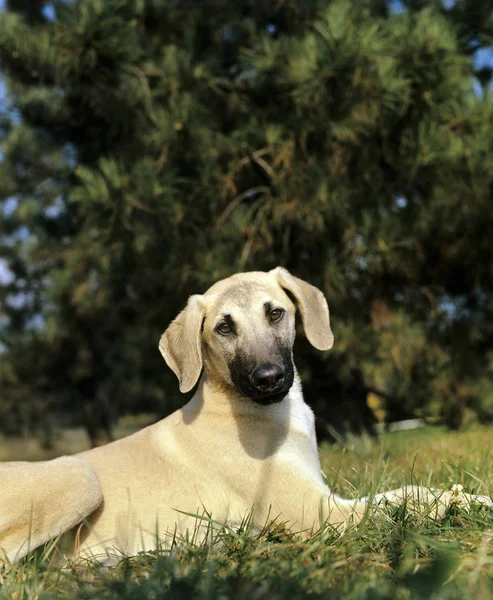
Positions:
{"x": 243, "y": 448}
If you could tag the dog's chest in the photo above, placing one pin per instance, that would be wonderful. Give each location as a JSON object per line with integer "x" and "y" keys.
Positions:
{"x": 234, "y": 454}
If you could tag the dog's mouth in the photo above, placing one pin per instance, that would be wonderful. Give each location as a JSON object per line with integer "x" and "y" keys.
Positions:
{"x": 266, "y": 399}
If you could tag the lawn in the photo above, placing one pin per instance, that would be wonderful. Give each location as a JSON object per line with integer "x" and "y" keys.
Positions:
{"x": 400, "y": 555}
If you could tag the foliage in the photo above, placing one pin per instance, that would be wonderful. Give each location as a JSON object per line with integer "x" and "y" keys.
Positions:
{"x": 150, "y": 148}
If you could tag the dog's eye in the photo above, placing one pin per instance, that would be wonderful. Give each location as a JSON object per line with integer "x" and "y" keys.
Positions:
{"x": 223, "y": 328}
{"x": 276, "y": 314}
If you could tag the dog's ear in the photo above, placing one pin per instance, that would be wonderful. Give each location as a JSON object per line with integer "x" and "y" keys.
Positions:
{"x": 181, "y": 343}
{"x": 313, "y": 307}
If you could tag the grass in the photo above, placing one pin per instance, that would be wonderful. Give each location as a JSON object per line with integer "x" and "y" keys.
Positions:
{"x": 400, "y": 556}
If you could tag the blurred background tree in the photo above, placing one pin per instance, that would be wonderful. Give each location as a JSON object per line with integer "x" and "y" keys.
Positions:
{"x": 150, "y": 147}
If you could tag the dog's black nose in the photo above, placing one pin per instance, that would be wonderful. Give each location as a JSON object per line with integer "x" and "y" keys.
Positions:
{"x": 268, "y": 377}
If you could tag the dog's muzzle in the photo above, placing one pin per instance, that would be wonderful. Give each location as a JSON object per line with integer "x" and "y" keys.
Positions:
{"x": 264, "y": 383}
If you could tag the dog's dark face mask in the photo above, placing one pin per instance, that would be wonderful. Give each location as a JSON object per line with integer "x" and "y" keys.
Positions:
{"x": 264, "y": 383}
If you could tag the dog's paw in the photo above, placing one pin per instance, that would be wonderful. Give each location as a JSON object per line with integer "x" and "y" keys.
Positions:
{"x": 433, "y": 502}
{"x": 459, "y": 499}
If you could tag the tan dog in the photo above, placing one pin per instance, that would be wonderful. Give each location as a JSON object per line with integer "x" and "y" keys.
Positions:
{"x": 244, "y": 446}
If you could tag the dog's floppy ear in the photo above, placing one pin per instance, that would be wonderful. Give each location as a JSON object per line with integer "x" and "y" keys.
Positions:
{"x": 181, "y": 344}
{"x": 313, "y": 308}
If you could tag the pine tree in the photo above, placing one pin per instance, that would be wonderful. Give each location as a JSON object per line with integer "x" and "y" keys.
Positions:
{"x": 150, "y": 148}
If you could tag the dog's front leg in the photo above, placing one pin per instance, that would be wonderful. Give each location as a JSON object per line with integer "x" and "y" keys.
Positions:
{"x": 314, "y": 506}
{"x": 40, "y": 501}
{"x": 432, "y": 502}
{"x": 343, "y": 513}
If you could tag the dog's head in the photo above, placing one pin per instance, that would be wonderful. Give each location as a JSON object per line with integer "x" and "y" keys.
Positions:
{"x": 242, "y": 330}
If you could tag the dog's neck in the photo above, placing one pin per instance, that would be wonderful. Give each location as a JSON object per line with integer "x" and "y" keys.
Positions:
{"x": 211, "y": 398}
